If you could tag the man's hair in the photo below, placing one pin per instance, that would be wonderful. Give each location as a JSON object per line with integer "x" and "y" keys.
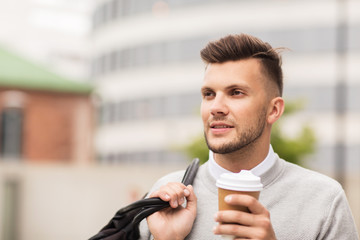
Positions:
{"x": 243, "y": 46}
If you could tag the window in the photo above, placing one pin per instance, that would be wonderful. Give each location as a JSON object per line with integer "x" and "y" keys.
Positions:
{"x": 10, "y": 206}
{"x": 11, "y": 128}
{"x": 150, "y": 108}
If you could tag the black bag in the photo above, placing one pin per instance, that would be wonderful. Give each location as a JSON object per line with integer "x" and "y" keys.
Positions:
{"x": 125, "y": 224}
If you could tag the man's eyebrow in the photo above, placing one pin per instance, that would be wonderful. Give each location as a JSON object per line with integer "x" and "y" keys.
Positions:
{"x": 233, "y": 86}
{"x": 205, "y": 89}
{"x": 243, "y": 87}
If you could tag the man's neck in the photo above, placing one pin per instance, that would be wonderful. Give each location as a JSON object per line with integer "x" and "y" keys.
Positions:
{"x": 243, "y": 159}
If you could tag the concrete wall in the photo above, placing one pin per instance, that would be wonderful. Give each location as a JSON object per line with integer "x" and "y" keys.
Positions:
{"x": 60, "y": 202}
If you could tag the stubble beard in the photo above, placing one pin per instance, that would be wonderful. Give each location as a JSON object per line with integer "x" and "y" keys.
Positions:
{"x": 244, "y": 139}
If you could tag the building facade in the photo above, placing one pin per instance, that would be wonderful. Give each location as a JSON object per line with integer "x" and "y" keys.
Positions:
{"x": 148, "y": 72}
{"x": 43, "y": 117}
{"x": 147, "y": 68}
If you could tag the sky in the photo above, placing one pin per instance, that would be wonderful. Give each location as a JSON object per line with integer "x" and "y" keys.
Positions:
{"x": 53, "y": 33}
{"x": 66, "y": 16}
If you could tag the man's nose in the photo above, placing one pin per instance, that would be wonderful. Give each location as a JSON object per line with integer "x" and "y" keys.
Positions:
{"x": 219, "y": 106}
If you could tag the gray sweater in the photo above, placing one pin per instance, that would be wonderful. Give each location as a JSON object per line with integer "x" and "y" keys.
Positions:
{"x": 303, "y": 204}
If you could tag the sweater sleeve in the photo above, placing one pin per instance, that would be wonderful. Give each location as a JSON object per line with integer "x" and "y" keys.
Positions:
{"x": 339, "y": 223}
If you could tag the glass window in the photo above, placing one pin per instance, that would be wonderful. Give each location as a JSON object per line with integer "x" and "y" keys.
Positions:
{"x": 96, "y": 19}
{"x": 101, "y": 65}
{"x": 11, "y": 132}
{"x": 10, "y": 219}
{"x": 113, "y": 60}
{"x": 126, "y": 4}
{"x": 155, "y": 53}
{"x": 115, "y": 9}
{"x": 150, "y": 108}
{"x": 151, "y": 156}
{"x": 101, "y": 15}
{"x": 299, "y": 40}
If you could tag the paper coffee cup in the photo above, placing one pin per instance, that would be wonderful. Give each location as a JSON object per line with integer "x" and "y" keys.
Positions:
{"x": 237, "y": 183}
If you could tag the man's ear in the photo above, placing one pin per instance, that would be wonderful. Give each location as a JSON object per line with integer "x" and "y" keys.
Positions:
{"x": 275, "y": 110}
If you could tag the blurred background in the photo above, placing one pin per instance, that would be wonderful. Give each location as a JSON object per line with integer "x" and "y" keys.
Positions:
{"x": 99, "y": 98}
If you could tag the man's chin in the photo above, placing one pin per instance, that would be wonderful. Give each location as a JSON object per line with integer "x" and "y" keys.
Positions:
{"x": 220, "y": 145}
{"x": 222, "y": 149}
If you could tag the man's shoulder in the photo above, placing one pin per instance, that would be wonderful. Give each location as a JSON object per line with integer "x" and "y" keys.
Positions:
{"x": 310, "y": 178}
{"x": 175, "y": 176}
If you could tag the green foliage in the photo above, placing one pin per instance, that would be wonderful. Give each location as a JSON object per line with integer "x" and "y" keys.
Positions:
{"x": 291, "y": 149}
{"x": 197, "y": 149}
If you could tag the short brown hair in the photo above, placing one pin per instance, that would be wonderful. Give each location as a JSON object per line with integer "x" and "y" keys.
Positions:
{"x": 244, "y": 46}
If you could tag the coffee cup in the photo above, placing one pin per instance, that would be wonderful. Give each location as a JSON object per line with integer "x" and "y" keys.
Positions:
{"x": 244, "y": 182}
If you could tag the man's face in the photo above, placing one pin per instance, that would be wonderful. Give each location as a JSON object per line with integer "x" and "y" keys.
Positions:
{"x": 234, "y": 105}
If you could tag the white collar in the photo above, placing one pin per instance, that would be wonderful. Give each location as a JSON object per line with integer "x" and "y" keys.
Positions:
{"x": 216, "y": 170}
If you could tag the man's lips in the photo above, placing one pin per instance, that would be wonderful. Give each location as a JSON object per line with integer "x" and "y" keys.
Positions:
{"x": 218, "y": 125}
{"x": 220, "y": 128}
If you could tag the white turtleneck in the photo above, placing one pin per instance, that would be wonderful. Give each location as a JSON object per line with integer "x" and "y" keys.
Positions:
{"x": 216, "y": 170}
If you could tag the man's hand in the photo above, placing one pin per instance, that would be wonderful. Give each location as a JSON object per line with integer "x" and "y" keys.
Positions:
{"x": 243, "y": 225}
{"x": 173, "y": 223}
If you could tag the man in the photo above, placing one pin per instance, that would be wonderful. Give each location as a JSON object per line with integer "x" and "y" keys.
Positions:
{"x": 241, "y": 100}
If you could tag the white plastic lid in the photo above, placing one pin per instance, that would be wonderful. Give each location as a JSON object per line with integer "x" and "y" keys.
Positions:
{"x": 243, "y": 181}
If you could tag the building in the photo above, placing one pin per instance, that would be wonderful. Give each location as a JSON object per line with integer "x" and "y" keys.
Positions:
{"x": 148, "y": 72}
{"x": 44, "y": 117}
{"x": 46, "y": 121}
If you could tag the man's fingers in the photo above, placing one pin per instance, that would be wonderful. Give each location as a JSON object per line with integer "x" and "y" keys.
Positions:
{"x": 255, "y": 224}
{"x": 250, "y": 202}
{"x": 162, "y": 195}
{"x": 191, "y": 199}
{"x": 228, "y": 216}
{"x": 179, "y": 196}
{"x": 174, "y": 193}
{"x": 233, "y": 229}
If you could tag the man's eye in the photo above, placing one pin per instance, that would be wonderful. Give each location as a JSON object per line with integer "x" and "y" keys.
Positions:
{"x": 237, "y": 92}
{"x": 208, "y": 94}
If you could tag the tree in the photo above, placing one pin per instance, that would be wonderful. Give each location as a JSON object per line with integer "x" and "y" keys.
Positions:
{"x": 291, "y": 149}
{"x": 197, "y": 149}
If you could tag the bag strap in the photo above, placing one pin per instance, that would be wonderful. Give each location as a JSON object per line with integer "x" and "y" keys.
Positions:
{"x": 190, "y": 172}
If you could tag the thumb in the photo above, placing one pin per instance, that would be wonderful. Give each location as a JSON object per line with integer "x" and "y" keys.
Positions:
{"x": 191, "y": 200}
